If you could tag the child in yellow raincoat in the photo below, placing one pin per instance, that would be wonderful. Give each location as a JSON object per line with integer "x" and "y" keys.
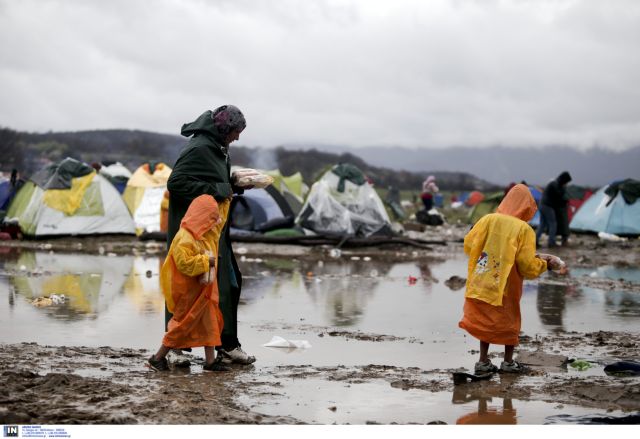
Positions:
{"x": 502, "y": 253}
{"x": 188, "y": 280}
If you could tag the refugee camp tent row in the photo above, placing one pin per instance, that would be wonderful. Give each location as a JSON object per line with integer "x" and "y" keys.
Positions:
{"x": 144, "y": 195}
{"x": 614, "y": 209}
{"x": 69, "y": 198}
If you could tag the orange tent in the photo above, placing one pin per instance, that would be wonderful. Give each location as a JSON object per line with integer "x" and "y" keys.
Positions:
{"x": 474, "y": 198}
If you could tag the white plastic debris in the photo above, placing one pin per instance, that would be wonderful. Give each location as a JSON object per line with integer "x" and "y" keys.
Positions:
{"x": 335, "y": 253}
{"x": 241, "y": 251}
{"x": 279, "y": 342}
{"x": 604, "y": 236}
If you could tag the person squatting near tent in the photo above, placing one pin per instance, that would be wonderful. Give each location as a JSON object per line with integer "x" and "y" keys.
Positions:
{"x": 553, "y": 211}
{"x": 502, "y": 253}
{"x": 188, "y": 280}
{"x": 203, "y": 167}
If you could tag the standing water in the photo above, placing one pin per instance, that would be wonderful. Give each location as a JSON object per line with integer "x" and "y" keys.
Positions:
{"x": 352, "y": 312}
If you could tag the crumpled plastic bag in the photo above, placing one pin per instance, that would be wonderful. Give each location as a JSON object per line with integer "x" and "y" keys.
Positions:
{"x": 279, "y": 342}
{"x": 53, "y": 299}
{"x": 581, "y": 365}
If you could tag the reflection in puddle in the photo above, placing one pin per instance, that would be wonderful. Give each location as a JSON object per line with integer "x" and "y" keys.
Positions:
{"x": 89, "y": 283}
{"x": 609, "y": 272}
{"x": 315, "y": 400}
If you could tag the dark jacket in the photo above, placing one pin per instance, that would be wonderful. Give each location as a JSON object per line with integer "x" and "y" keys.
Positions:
{"x": 554, "y": 194}
{"x": 203, "y": 167}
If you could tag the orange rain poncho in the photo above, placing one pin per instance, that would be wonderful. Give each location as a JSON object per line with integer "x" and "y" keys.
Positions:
{"x": 502, "y": 252}
{"x": 197, "y": 320}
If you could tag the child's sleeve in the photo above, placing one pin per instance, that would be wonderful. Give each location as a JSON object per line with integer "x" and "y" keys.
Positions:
{"x": 528, "y": 265}
{"x": 188, "y": 259}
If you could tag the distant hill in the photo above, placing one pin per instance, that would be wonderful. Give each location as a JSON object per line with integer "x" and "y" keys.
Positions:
{"x": 28, "y": 152}
{"x": 501, "y": 165}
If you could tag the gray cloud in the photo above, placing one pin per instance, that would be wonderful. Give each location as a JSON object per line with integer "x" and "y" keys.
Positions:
{"x": 367, "y": 72}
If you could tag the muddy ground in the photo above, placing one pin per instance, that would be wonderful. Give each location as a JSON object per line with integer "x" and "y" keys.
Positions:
{"x": 64, "y": 384}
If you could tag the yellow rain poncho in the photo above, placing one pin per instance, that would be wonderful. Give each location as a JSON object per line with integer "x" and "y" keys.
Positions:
{"x": 197, "y": 320}
{"x": 502, "y": 252}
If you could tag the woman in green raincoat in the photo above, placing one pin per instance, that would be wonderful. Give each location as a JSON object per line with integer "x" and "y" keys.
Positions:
{"x": 203, "y": 167}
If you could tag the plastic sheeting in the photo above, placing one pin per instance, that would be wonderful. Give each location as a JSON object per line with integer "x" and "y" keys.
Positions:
{"x": 358, "y": 211}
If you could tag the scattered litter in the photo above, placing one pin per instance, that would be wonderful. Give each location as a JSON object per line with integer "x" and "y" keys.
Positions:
{"x": 355, "y": 258}
{"x": 279, "y": 342}
{"x": 366, "y": 259}
{"x": 604, "y": 236}
{"x": 335, "y": 253}
{"x": 23, "y": 268}
{"x": 581, "y": 365}
{"x": 241, "y": 251}
{"x": 53, "y": 299}
{"x": 111, "y": 255}
{"x": 412, "y": 280}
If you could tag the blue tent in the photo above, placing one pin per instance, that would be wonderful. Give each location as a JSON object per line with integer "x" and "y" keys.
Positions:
{"x": 537, "y": 195}
{"x": 602, "y": 213}
{"x": 5, "y": 192}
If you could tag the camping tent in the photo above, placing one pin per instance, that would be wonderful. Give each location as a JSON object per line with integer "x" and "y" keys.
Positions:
{"x": 536, "y": 192}
{"x": 260, "y": 210}
{"x": 292, "y": 187}
{"x": 6, "y": 192}
{"x": 341, "y": 202}
{"x": 474, "y": 198}
{"x": 144, "y": 194}
{"x": 69, "y": 198}
{"x": 117, "y": 174}
{"x": 487, "y": 205}
{"x": 614, "y": 209}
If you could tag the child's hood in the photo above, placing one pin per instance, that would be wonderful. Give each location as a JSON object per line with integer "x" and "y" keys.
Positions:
{"x": 519, "y": 203}
{"x": 201, "y": 216}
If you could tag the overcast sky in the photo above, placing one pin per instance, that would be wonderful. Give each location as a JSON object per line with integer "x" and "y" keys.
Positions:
{"x": 413, "y": 73}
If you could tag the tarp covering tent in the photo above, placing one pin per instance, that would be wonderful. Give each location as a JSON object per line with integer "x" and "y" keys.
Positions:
{"x": 343, "y": 203}
{"x": 69, "y": 198}
{"x": 612, "y": 209}
{"x": 260, "y": 210}
{"x": 144, "y": 194}
{"x": 488, "y": 205}
{"x": 117, "y": 174}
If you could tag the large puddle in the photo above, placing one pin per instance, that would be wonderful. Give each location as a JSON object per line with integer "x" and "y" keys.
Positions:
{"x": 342, "y": 307}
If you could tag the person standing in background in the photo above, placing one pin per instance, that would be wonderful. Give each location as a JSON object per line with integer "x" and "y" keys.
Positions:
{"x": 554, "y": 216}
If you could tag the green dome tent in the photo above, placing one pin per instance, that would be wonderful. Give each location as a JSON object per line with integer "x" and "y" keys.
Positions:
{"x": 69, "y": 198}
